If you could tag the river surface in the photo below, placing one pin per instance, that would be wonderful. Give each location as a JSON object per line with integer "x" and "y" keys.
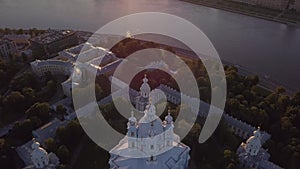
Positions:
{"x": 263, "y": 47}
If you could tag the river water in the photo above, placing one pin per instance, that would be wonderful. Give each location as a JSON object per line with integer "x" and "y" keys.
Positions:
{"x": 261, "y": 46}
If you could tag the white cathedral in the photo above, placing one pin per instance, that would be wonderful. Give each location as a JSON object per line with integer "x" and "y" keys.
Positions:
{"x": 150, "y": 143}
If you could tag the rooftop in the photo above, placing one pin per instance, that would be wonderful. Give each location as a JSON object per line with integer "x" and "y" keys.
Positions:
{"x": 168, "y": 159}
{"x": 48, "y": 130}
{"x": 52, "y": 36}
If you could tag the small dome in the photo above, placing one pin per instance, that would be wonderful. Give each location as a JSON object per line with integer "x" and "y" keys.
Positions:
{"x": 151, "y": 109}
{"x": 145, "y": 86}
{"x": 132, "y": 119}
{"x": 257, "y": 133}
{"x": 39, "y": 156}
{"x": 39, "y": 152}
{"x": 255, "y": 139}
{"x": 35, "y": 145}
{"x": 253, "y": 144}
{"x": 150, "y": 121}
{"x": 149, "y": 114}
{"x": 150, "y": 129}
{"x": 169, "y": 118}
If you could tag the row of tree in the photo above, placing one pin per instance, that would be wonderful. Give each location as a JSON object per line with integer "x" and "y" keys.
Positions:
{"x": 32, "y": 31}
{"x": 64, "y": 144}
{"x": 275, "y": 111}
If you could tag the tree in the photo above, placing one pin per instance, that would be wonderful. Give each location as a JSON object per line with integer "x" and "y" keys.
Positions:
{"x": 40, "y": 110}
{"x": 29, "y": 96}
{"x": 25, "y": 80}
{"x": 63, "y": 153}
{"x": 1, "y": 100}
{"x": 22, "y": 130}
{"x": 280, "y": 90}
{"x": 231, "y": 166}
{"x": 195, "y": 132}
{"x": 20, "y": 31}
{"x": 99, "y": 92}
{"x": 283, "y": 102}
{"x": 296, "y": 99}
{"x": 51, "y": 145}
{"x": 51, "y": 86}
{"x": 2, "y": 143}
{"x": 6, "y": 160}
{"x": 64, "y": 166}
{"x": 36, "y": 121}
{"x": 61, "y": 109}
{"x": 67, "y": 134}
{"x": 289, "y": 2}
{"x": 233, "y": 106}
{"x": 252, "y": 80}
{"x": 7, "y": 31}
{"x": 24, "y": 57}
{"x": 286, "y": 123}
{"x": 14, "y": 102}
{"x": 230, "y": 159}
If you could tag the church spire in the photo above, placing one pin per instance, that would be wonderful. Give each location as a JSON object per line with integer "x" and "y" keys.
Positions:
{"x": 145, "y": 80}
{"x": 169, "y": 118}
{"x": 132, "y": 120}
{"x": 132, "y": 131}
{"x": 145, "y": 88}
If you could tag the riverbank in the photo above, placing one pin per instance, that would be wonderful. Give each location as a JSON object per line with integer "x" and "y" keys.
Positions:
{"x": 285, "y": 17}
{"x": 265, "y": 81}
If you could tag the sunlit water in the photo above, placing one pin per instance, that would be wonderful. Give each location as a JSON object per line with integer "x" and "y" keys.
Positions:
{"x": 265, "y": 47}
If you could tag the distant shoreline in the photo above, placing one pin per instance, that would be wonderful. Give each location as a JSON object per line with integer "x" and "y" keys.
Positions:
{"x": 257, "y": 15}
{"x": 265, "y": 81}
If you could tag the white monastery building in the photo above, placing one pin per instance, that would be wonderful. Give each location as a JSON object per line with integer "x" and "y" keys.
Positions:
{"x": 252, "y": 155}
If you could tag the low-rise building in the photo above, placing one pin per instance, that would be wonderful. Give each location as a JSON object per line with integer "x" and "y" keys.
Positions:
{"x": 48, "y": 130}
{"x": 272, "y": 4}
{"x": 53, "y": 41}
{"x": 295, "y": 4}
{"x": 56, "y": 67}
{"x": 22, "y": 39}
{"x": 7, "y": 48}
{"x": 36, "y": 157}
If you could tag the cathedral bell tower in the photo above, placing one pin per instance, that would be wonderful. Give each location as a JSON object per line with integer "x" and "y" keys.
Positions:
{"x": 145, "y": 88}
{"x": 143, "y": 99}
{"x": 132, "y": 131}
{"x": 169, "y": 129}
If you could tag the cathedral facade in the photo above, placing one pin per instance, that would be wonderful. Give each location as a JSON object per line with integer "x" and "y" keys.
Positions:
{"x": 150, "y": 143}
